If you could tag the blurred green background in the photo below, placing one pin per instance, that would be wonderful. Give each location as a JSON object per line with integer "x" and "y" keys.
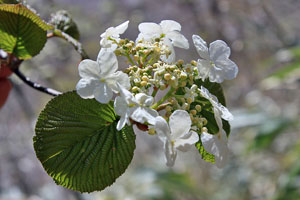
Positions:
{"x": 264, "y": 36}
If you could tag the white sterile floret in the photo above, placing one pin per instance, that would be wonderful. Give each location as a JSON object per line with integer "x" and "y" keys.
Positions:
{"x": 177, "y": 135}
{"x": 168, "y": 31}
{"x": 112, "y": 33}
{"x": 135, "y": 107}
{"x": 191, "y": 92}
{"x": 214, "y": 63}
{"x": 217, "y": 107}
{"x": 99, "y": 78}
{"x": 216, "y": 145}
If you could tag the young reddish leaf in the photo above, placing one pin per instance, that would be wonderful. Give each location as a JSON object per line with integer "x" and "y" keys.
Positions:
{"x": 4, "y": 71}
{"x": 5, "y": 87}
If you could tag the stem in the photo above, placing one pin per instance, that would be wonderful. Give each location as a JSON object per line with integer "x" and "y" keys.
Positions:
{"x": 130, "y": 59}
{"x": 155, "y": 90}
{"x": 77, "y": 45}
{"x": 169, "y": 93}
{"x": 36, "y": 86}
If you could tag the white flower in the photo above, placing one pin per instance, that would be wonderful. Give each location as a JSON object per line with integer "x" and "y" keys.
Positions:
{"x": 218, "y": 108}
{"x": 176, "y": 135}
{"x": 99, "y": 79}
{"x": 135, "y": 107}
{"x": 214, "y": 63}
{"x": 168, "y": 30}
{"x": 112, "y": 33}
{"x": 191, "y": 93}
{"x": 216, "y": 145}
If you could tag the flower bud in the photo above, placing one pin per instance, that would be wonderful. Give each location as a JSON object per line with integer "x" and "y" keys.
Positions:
{"x": 194, "y": 63}
{"x": 128, "y": 45}
{"x": 145, "y": 78}
{"x": 189, "y": 100}
{"x": 198, "y": 108}
{"x": 199, "y": 125}
{"x": 183, "y": 84}
{"x": 167, "y": 76}
{"x": 204, "y": 120}
{"x": 122, "y": 41}
{"x": 168, "y": 108}
{"x": 193, "y": 112}
{"x": 136, "y": 58}
{"x": 183, "y": 76}
{"x": 172, "y": 67}
{"x": 162, "y": 86}
{"x": 180, "y": 62}
{"x": 143, "y": 83}
{"x": 185, "y": 106}
{"x": 135, "y": 89}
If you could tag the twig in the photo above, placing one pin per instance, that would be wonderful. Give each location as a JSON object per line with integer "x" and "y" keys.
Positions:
{"x": 36, "y": 86}
{"x": 77, "y": 45}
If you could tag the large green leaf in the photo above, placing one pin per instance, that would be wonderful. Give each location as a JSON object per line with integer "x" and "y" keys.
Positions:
{"x": 22, "y": 32}
{"x": 78, "y": 144}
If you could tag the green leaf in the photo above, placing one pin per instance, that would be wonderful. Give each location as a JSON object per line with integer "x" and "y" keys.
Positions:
{"x": 9, "y": 1}
{"x": 204, "y": 154}
{"x": 78, "y": 144}
{"x": 22, "y": 32}
{"x": 214, "y": 88}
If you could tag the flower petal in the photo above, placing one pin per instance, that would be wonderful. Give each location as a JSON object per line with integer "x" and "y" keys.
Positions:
{"x": 149, "y": 28}
{"x": 144, "y": 99}
{"x": 121, "y": 28}
{"x": 85, "y": 88}
{"x": 201, "y": 47}
{"x": 120, "y": 106}
{"x": 210, "y": 143}
{"x": 178, "y": 39}
{"x": 170, "y": 58}
{"x": 225, "y": 114}
{"x": 170, "y": 25}
{"x": 218, "y": 51}
{"x": 229, "y": 69}
{"x": 103, "y": 93}
{"x": 118, "y": 77}
{"x": 184, "y": 144}
{"x": 140, "y": 114}
{"x": 170, "y": 154}
{"x": 203, "y": 67}
{"x": 89, "y": 69}
{"x": 107, "y": 61}
{"x": 180, "y": 124}
{"x": 222, "y": 159}
{"x": 162, "y": 129}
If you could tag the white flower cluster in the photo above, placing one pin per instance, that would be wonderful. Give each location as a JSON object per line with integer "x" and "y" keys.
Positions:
{"x": 176, "y": 118}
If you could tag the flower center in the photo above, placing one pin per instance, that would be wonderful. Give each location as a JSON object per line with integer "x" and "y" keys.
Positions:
{"x": 131, "y": 105}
